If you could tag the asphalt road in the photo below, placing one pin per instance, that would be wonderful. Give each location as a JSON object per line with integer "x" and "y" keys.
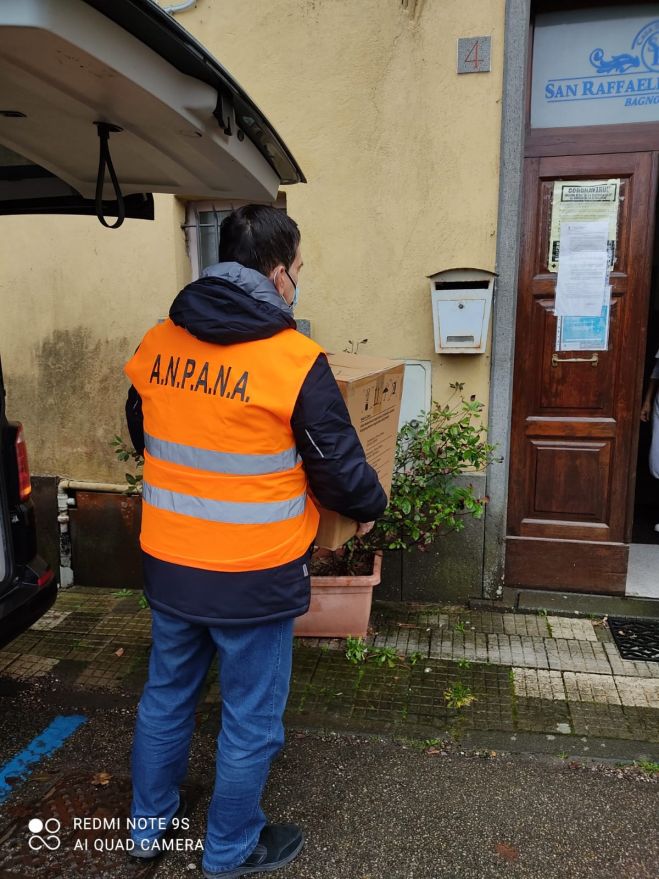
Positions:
{"x": 371, "y": 808}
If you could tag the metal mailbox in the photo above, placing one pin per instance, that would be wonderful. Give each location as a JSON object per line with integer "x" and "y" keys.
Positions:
{"x": 461, "y": 308}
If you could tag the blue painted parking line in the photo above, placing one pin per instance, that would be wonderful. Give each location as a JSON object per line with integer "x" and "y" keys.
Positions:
{"x": 52, "y": 738}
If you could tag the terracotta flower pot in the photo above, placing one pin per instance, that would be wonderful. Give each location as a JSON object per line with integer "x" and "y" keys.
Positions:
{"x": 340, "y": 606}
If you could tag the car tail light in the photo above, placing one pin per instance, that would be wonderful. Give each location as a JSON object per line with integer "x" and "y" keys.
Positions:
{"x": 45, "y": 578}
{"x": 24, "y": 485}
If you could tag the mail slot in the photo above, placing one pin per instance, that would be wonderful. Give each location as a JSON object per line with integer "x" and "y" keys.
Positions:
{"x": 461, "y": 307}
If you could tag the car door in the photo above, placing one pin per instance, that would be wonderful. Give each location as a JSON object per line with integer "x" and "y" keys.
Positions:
{"x": 5, "y": 525}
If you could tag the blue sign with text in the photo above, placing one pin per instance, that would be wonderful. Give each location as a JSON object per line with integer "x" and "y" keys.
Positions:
{"x": 624, "y": 75}
{"x": 613, "y": 80}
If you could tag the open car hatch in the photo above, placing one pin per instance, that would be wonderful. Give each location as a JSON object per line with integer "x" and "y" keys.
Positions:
{"x": 78, "y": 74}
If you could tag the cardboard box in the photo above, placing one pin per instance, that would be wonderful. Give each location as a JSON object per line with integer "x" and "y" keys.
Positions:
{"x": 372, "y": 388}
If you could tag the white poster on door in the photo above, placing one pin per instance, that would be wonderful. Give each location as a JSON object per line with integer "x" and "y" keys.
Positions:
{"x": 581, "y": 283}
{"x": 585, "y": 333}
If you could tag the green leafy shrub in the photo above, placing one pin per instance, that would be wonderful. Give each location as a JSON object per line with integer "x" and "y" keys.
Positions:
{"x": 459, "y": 695}
{"x": 426, "y": 500}
{"x": 125, "y": 453}
{"x": 356, "y": 650}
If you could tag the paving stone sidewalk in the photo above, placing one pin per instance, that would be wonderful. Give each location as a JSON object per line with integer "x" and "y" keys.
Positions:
{"x": 432, "y": 670}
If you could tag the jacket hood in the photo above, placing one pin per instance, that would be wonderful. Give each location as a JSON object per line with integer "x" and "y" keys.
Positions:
{"x": 229, "y": 304}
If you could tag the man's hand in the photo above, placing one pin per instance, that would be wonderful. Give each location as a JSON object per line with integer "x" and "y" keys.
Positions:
{"x": 646, "y": 408}
{"x": 364, "y": 528}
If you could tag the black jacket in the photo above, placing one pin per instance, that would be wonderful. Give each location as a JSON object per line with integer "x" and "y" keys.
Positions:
{"x": 231, "y": 304}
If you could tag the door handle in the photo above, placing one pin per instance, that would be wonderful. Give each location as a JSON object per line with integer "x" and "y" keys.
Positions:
{"x": 593, "y": 359}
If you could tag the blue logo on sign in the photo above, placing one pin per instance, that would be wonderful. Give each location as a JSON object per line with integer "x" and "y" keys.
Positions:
{"x": 646, "y": 42}
{"x": 624, "y": 75}
{"x": 617, "y": 64}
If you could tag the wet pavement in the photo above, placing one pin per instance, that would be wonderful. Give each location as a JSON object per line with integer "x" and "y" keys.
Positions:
{"x": 371, "y": 807}
{"x": 466, "y": 745}
{"x": 455, "y": 671}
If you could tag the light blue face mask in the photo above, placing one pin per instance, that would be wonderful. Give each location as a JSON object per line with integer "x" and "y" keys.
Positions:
{"x": 296, "y": 295}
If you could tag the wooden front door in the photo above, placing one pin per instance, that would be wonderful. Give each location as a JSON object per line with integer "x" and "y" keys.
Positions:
{"x": 574, "y": 424}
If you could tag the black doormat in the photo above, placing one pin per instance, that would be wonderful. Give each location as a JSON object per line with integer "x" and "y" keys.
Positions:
{"x": 636, "y": 639}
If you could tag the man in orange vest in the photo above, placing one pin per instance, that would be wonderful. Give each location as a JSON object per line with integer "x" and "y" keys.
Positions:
{"x": 239, "y": 417}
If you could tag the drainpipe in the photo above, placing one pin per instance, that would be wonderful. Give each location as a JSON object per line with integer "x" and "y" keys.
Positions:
{"x": 65, "y": 569}
{"x": 74, "y": 485}
{"x": 179, "y": 7}
{"x": 64, "y": 504}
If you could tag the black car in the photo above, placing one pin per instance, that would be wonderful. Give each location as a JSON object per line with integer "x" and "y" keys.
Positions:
{"x": 102, "y": 103}
{"x": 27, "y": 584}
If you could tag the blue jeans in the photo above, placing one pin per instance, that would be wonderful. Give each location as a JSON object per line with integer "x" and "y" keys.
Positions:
{"x": 254, "y": 671}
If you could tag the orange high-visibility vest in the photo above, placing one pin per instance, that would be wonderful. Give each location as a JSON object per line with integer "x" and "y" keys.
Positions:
{"x": 224, "y": 488}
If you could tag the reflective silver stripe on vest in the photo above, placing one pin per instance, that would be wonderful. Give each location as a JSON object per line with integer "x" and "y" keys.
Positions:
{"x": 228, "y": 512}
{"x": 231, "y": 463}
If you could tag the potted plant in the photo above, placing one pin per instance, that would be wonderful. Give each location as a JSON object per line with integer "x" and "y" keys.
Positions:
{"x": 426, "y": 502}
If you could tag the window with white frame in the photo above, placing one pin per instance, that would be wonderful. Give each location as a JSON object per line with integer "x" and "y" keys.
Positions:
{"x": 202, "y": 227}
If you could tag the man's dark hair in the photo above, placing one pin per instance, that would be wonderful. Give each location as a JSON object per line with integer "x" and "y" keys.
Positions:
{"x": 259, "y": 237}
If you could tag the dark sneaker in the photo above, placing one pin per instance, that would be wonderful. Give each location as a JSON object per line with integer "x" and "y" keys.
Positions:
{"x": 154, "y": 852}
{"x": 278, "y": 844}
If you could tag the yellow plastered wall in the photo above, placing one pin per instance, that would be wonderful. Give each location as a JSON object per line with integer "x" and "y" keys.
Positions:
{"x": 75, "y": 300}
{"x": 401, "y": 156}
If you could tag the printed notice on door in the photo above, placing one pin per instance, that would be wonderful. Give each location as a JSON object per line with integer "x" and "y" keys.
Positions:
{"x": 581, "y": 281}
{"x": 584, "y": 201}
{"x": 587, "y": 333}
